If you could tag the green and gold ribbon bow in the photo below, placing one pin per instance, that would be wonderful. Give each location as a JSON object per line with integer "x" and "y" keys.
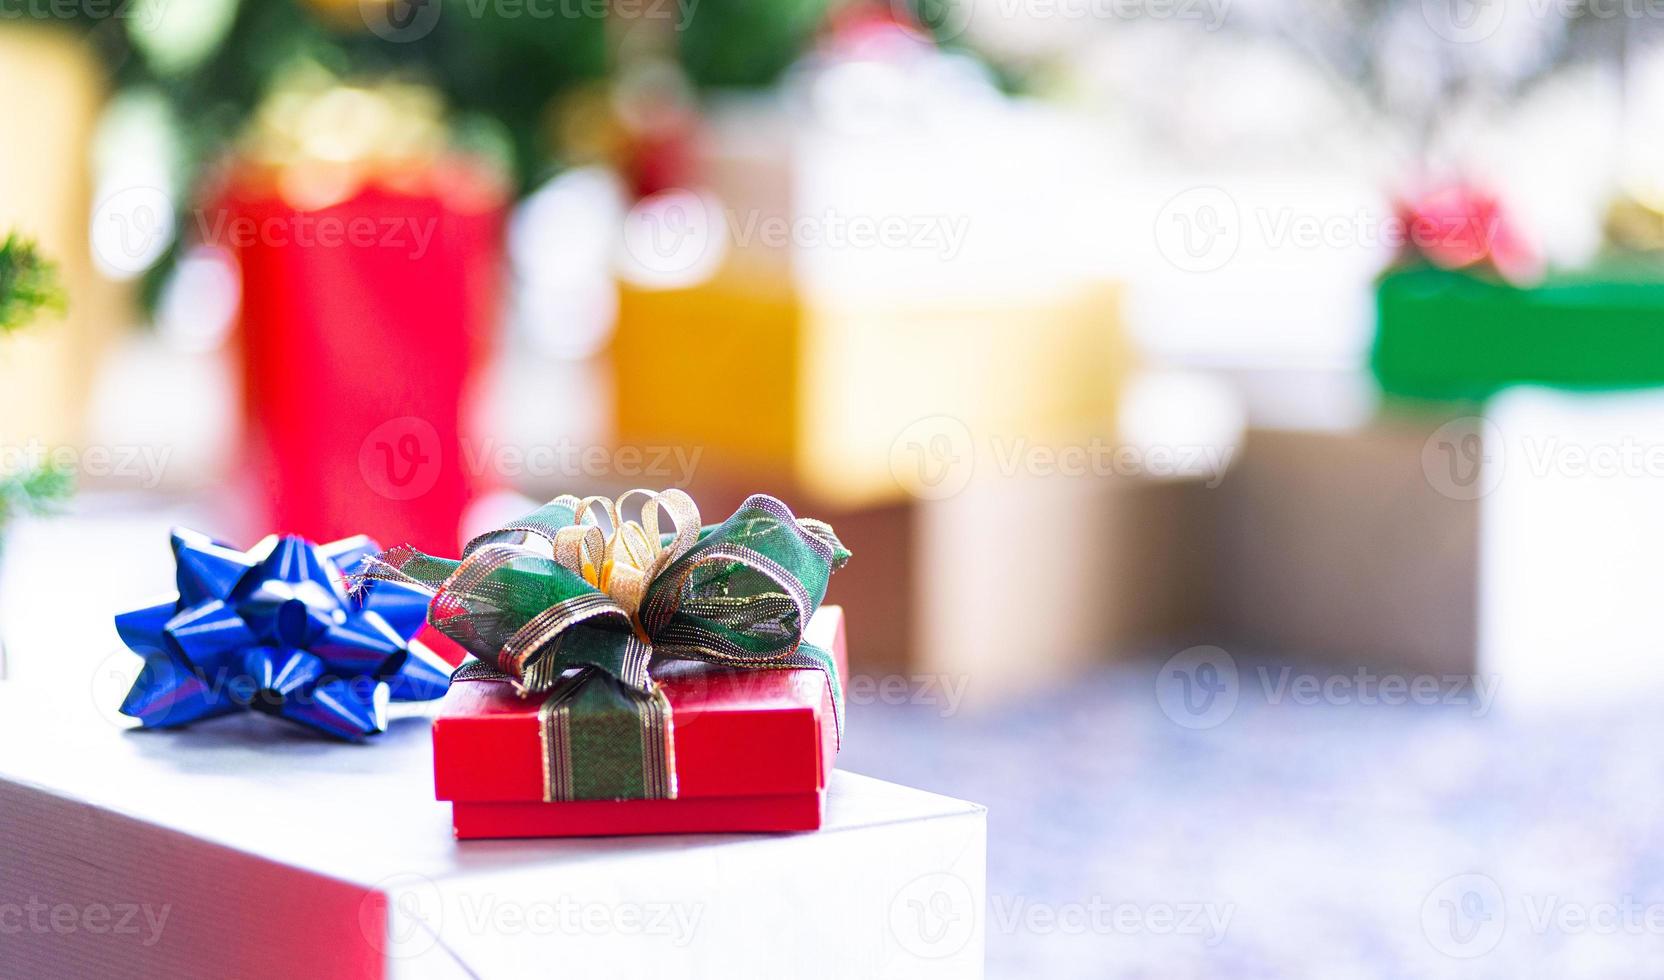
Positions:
{"x": 579, "y": 616}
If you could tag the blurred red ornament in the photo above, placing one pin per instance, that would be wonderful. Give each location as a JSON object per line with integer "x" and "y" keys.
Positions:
{"x": 1462, "y": 226}
{"x": 661, "y": 160}
{"x": 645, "y": 125}
{"x": 874, "y": 32}
{"x": 364, "y": 323}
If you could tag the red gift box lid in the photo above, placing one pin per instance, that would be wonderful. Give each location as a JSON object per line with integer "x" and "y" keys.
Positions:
{"x": 737, "y": 732}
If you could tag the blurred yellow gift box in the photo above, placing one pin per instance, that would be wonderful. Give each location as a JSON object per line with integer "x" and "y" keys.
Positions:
{"x": 842, "y": 307}
{"x": 47, "y": 369}
{"x": 831, "y": 394}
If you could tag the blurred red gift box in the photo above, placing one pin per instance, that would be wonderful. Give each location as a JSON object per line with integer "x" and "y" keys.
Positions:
{"x": 364, "y": 322}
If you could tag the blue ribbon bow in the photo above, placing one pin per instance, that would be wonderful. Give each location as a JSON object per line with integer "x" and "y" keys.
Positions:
{"x": 275, "y": 630}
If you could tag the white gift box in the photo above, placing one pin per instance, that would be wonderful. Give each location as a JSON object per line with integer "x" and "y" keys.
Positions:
{"x": 245, "y": 848}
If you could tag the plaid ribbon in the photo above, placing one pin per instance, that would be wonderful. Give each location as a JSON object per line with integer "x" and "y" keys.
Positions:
{"x": 579, "y": 616}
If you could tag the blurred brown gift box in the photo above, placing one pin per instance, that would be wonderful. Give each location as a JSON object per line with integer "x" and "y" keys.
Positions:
{"x": 1350, "y": 542}
{"x": 1013, "y": 582}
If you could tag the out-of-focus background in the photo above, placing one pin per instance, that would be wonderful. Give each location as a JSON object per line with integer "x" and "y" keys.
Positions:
{"x": 1243, "y": 412}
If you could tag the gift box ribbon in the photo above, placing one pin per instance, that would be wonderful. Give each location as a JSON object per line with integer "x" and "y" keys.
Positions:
{"x": 578, "y": 616}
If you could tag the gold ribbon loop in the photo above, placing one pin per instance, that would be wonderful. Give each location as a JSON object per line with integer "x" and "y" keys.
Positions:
{"x": 624, "y": 562}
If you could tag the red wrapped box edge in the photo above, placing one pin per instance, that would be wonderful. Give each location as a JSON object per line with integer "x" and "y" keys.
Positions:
{"x": 780, "y": 722}
{"x": 712, "y": 814}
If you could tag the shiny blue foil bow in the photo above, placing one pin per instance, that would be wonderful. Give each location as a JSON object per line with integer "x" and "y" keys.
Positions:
{"x": 275, "y": 630}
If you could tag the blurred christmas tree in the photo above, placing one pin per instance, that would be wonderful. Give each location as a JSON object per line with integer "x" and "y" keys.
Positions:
{"x": 28, "y": 287}
{"x": 537, "y": 83}
{"x": 747, "y": 43}
{"x": 214, "y": 61}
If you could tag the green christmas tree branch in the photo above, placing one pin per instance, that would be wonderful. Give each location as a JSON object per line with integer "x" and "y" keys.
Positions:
{"x": 28, "y": 284}
{"x": 28, "y": 287}
{"x": 33, "y": 490}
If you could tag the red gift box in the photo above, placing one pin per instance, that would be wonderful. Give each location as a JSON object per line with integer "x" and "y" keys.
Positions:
{"x": 754, "y": 750}
{"x": 364, "y": 326}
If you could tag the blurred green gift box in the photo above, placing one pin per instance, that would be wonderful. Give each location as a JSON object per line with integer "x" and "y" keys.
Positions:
{"x": 1450, "y": 335}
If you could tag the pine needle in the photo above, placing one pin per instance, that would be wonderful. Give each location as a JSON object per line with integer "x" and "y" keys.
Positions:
{"x": 33, "y": 490}
{"x": 28, "y": 284}
{"x": 28, "y": 287}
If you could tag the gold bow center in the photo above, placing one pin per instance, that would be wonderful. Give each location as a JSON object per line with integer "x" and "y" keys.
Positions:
{"x": 624, "y": 562}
